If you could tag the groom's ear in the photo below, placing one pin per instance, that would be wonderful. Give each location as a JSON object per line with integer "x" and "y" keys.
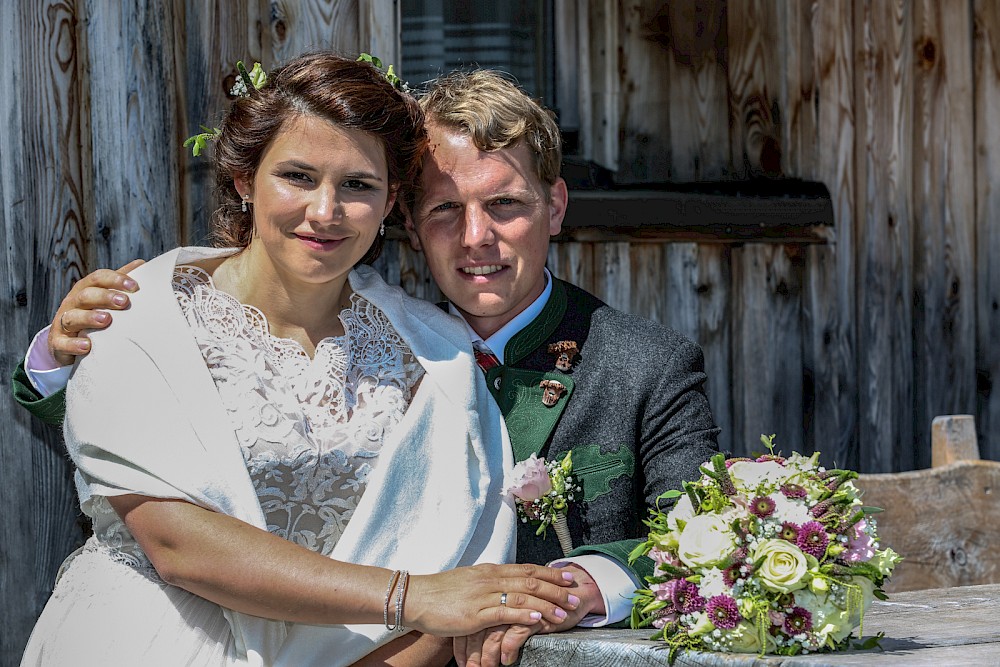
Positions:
{"x": 411, "y": 230}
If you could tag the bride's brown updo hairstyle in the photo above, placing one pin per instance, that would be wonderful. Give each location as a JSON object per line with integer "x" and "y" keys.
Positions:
{"x": 350, "y": 94}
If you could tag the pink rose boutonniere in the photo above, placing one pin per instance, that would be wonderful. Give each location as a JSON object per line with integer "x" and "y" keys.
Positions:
{"x": 542, "y": 491}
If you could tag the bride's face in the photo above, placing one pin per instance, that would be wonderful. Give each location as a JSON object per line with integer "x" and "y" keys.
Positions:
{"x": 319, "y": 196}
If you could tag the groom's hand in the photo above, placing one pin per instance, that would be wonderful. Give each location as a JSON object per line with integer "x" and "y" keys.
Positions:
{"x": 85, "y": 308}
{"x": 501, "y": 645}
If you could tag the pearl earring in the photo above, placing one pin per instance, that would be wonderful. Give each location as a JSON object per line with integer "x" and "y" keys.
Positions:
{"x": 246, "y": 198}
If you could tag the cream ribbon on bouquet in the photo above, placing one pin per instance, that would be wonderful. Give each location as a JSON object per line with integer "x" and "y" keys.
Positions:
{"x": 542, "y": 491}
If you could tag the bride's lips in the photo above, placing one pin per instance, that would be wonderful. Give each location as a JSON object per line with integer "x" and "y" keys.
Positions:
{"x": 317, "y": 243}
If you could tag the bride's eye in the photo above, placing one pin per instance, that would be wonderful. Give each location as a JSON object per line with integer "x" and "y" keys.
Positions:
{"x": 297, "y": 176}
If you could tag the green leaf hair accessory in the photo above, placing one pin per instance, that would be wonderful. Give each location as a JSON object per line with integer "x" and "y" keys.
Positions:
{"x": 389, "y": 74}
{"x": 254, "y": 79}
{"x": 199, "y": 142}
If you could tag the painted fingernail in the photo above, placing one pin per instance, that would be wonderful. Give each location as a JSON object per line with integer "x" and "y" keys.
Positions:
{"x": 119, "y": 299}
{"x": 536, "y": 615}
{"x": 101, "y": 317}
{"x": 129, "y": 284}
{"x": 573, "y": 600}
{"x": 567, "y": 576}
{"x": 560, "y": 613}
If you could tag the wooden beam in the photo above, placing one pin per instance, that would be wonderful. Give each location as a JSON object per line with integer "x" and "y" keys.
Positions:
{"x": 651, "y": 215}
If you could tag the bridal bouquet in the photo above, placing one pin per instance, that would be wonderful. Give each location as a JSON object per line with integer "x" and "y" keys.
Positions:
{"x": 542, "y": 491}
{"x": 767, "y": 555}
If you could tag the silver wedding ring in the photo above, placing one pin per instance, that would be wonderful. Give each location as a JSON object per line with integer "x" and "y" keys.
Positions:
{"x": 503, "y": 599}
{"x": 62, "y": 325}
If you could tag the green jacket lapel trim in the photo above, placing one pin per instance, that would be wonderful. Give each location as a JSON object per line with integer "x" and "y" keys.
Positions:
{"x": 529, "y": 421}
{"x": 539, "y": 329}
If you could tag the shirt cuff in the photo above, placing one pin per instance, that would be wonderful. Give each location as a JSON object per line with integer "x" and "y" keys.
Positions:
{"x": 43, "y": 371}
{"x": 616, "y": 583}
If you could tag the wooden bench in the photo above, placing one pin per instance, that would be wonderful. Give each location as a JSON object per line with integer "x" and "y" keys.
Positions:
{"x": 945, "y": 520}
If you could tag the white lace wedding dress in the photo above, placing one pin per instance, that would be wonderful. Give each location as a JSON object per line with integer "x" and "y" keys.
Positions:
{"x": 310, "y": 431}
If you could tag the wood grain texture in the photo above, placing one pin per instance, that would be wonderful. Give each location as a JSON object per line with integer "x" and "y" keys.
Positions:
{"x": 698, "y": 305}
{"x": 987, "y": 167}
{"x": 644, "y": 147}
{"x": 767, "y": 348}
{"x": 44, "y": 235}
{"x": 574, "y": 263}
{"x": 929, "y": 628}
{"x": 216, "y": 35}
{"x": 943, "y": 208}
{"x": 883, "y": 117}
{"x": 134, "y": 89}
{"x": 297, "y": 26}
{"x": 613, "y": 278}
{"x": 821, "y": 145}
{"x": 941, "y": 546}
{"x": 755, "y": 83}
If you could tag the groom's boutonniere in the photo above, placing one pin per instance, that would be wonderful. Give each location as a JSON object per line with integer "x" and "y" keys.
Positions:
{"x": 542, "y": 491}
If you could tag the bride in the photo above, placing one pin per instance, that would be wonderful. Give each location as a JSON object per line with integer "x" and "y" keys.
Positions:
{"x": 301, "y": 460}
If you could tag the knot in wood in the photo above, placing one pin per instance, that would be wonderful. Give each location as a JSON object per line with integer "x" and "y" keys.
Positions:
{"x": 926, "y": 53}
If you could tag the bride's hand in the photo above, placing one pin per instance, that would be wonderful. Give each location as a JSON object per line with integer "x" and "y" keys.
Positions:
{"x": 468, "y": 599}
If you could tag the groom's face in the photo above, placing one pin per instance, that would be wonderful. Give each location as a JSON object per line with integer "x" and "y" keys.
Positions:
{"x": 483, "y": 220}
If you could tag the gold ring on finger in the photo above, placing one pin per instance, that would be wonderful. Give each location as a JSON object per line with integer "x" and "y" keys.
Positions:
{"x": 503, "y": 599}
{"x": 62, "y": 324}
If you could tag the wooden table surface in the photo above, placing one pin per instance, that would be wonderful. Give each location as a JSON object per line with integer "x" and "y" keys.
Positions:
{"x": 942, "y": 627}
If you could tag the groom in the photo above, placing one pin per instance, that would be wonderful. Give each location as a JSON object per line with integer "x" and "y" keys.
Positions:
{"x": 624, "y": 394}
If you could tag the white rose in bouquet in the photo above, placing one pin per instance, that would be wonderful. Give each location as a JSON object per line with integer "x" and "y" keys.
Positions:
{"x": 784, "y": 567}
{"x": 705, "y": 541}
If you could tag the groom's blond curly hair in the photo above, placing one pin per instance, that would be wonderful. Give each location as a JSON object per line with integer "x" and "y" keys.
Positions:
{"x": 496, "y": 113}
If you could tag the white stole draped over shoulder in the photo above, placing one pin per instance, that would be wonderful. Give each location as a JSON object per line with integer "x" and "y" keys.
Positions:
{"x": 143, "y": 416}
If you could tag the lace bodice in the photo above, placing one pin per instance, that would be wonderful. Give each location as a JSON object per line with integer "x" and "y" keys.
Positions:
{"x": 310, "y": 429}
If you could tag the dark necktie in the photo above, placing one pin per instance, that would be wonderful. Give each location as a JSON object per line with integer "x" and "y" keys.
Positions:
{"x": 485, "y": 358}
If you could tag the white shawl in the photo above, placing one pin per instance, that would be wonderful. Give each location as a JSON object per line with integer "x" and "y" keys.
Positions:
{"x": 143, "y": 416}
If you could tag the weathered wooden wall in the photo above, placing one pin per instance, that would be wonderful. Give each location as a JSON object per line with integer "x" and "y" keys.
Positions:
{"x": 97, "y": 98}
{"x": 849, "y": 348}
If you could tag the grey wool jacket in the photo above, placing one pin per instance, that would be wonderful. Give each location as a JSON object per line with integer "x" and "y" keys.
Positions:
{"x": 633, "y": 410}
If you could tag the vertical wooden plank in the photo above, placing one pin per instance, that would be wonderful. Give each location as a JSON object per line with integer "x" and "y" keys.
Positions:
{"x": 767, "y": 347}
{"x": 297, "y": 26}
{"x": 943, "y": 217}
{"x": 599, "y": 124}
{"x": 698, "y": 107}
{"x": 987, "y": 134}
{"x": 649, "y": 280}
{"x": 697, "y": 305}
{"x": 614, "y": 278}
{"x": 44, "y": 239}
{"x": 414, "y": 276}
{"x": 378, "y": 29}
{"x": 767, "y": 280}
{"x": 134, "y": 120}
{"x": 884, "y": 279}
{"x": 698, "y": 95}
{"x": 820, "y": 145}
{"x": 573, "y": 262}
{"x": 217, "y": 34}
{"x": 644, "y": 148}
{"x": 756, "y": 39}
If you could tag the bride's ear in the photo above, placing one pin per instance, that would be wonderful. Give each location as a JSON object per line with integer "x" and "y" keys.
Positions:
{"x": 243, "y": 187}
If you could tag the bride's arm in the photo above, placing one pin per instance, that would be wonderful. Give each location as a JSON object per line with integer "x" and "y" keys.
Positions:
{"x": 247, "y": 569}
{"x": 411, "y": 650}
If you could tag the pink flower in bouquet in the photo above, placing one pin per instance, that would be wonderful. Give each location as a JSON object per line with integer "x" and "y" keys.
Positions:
{"x": 531, "y": 479}
{"x": 860, "y": 545}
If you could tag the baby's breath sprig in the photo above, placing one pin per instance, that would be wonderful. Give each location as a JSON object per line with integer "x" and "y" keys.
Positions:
{"x": 245, "y": 81}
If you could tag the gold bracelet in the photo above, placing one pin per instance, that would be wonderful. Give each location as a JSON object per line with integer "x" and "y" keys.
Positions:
{"x": 385, "y": 608}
